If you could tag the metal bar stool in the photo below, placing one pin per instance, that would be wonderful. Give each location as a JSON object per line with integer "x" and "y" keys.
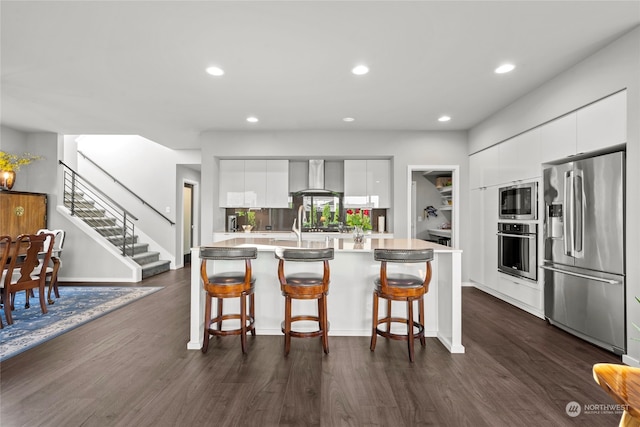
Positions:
{"x": 305, "y": 286}
{"x": 231, "y": 284}
{"x": 401, "y": 287}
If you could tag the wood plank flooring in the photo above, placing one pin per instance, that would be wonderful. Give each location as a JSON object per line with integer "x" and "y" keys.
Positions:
{"x": 131, "y": 368}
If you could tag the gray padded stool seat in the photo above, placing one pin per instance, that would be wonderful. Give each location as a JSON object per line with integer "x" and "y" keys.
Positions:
{"x": 401, "y": 287}
{"x": 305, "y": 286}
{"x": 229, "y": 284}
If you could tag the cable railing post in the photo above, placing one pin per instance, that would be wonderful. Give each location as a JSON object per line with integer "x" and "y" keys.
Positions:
{"x": 73, "y": 193}
{"x": 124, "y": 233}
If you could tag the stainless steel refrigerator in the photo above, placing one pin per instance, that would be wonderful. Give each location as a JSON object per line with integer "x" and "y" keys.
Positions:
{"x": 584, "y": 249}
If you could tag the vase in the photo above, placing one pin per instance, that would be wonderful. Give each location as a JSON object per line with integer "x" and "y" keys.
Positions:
{"x": 358, "y": 234}
{"x": 7, "y": 179}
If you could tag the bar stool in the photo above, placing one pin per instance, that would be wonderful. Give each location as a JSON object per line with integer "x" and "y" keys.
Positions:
{"x": 401, "y": 287}
{"x": 231, "y": 284}
{"x": 305, "y": 286}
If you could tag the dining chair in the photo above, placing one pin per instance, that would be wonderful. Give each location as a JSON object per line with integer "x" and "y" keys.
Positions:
{"x": 25, "y": 271}
{"x": 5, "y": 247}
{"x": 56, "y": 254}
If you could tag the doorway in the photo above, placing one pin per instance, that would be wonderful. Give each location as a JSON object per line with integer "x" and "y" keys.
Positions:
{"x": 433, "y": 203}
{"x": 187, "y": 209}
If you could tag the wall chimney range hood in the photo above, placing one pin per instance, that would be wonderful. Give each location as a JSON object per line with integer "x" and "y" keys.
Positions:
{"x": 316, "y": 183}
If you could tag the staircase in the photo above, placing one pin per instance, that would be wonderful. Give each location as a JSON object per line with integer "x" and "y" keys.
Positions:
{"x": 109, "y": 228}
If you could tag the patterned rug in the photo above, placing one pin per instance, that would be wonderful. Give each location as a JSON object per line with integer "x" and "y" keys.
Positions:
{"x": 77, "y": 305}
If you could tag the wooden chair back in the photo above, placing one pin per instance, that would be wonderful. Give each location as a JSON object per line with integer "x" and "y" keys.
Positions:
{"x": 26, "y": 271}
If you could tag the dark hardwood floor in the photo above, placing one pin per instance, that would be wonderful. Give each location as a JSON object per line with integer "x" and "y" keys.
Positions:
{"x": 131, "y": 368}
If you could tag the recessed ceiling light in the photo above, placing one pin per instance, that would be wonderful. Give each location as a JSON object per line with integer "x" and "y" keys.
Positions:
{"x": 348, "y": 119}
{"x": 252, "y": 119}
{"x": 360, "y": 70}
{"x": 444, "y": 118}
{"x": 215, "y": 71}
{"x": 504, "y": 68}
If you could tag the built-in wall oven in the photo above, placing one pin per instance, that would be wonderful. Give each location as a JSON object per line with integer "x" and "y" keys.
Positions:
{"x": 518, "y": 249}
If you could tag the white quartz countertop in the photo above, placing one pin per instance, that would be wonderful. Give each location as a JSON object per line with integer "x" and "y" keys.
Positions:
{"x": 339, "y": 244}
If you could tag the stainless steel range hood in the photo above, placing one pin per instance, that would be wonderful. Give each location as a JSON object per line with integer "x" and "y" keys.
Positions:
{"x": 316, "y": 183}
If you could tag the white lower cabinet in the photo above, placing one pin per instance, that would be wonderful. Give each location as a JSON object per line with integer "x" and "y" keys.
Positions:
{"x": 529, "y": 294}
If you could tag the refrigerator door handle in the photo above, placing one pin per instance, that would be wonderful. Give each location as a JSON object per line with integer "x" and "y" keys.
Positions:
{"x": 568, "y": 214}
{"x": 583, "y": 276}
{"x": 578, "y": 203}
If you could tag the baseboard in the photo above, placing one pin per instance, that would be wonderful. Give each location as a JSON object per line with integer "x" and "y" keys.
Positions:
{"x": 508, "y": 299}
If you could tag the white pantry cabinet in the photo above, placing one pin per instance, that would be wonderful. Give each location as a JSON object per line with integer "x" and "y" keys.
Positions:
{"x": 254, "y": 183}
{"x": 484, "y": 168}
{"x": 520, "y": 157}
{"x": 558, "y": 138}
{"x": 483, "y": 240}
{"x": 367, "y": 183}
{"x": 602, "y": 124}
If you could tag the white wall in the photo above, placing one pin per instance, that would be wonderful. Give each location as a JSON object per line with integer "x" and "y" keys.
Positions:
{"x": 615, "y": 67}
{"x": 149, "y": 170}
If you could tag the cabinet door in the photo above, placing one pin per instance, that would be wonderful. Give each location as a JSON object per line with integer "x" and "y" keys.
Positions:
{"x": 520, "y": 157}
{"x": 22, "y": 213}
{"x": 489, "y": 238}
{"x": 484, "y": 168}
{"x": 476, "y": 247}
{"x": 255, "y": 184}
{"x": 355, "y": 183}
{"x": 378, "y": 183}
{"x": 603, "y": 123}
{"x": 558, "y": 138}
{"x": 231, "y": 184}
{"x": 277, "y": 184}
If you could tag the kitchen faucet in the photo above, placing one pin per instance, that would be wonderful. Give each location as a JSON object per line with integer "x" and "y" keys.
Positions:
{"x": 298, "y": 230}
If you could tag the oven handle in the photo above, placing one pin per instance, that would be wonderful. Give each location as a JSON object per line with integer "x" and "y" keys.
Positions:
{"x": 583, "y": 276}
{"x": 520, "y": 236}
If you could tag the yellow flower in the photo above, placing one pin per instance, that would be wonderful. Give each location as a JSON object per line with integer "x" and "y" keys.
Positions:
{"x": 13, "y": 162}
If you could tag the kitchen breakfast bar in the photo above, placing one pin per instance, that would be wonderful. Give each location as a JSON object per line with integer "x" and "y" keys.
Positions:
{"x": 350, "y": 297}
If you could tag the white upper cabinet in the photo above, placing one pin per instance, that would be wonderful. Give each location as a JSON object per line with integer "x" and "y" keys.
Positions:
{"x": 254, "y": 183}
{"x": 558, "y": 138}
{"x": 602, "y": 124}
{"x": 484, "y": 168}
{"x": 231, "y": 183}
{"x": 378, "y": 183}
{"x": 367, "y": 183}
{"x": 277, "y": 195}
{"x": 520, "y": 157}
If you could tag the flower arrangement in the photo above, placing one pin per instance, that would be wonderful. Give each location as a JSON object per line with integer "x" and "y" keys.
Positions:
{"x": 359, "y": 218}
{"x": 13, "y": 162}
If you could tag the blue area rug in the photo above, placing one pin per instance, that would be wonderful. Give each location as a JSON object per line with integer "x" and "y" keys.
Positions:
{"x": 77, "y": 305}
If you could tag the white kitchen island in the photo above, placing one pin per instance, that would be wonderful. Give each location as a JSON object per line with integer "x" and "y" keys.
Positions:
{"x": 350, "y": 292}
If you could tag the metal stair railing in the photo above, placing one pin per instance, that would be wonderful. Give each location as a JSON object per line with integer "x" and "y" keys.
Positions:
{"x": 77, "y": 189}
{"x": 125, "y": 187}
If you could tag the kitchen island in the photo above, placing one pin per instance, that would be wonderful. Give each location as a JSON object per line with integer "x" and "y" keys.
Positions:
{"x": 350, "y": 292}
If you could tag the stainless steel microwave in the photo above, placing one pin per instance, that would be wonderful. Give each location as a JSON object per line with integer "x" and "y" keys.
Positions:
{"x": 519, "y": 201}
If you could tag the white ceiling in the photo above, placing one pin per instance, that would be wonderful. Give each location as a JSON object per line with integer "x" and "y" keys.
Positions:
{"x": 138, "y": 67}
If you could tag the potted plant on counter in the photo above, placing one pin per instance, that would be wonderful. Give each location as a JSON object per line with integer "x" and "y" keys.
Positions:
{"x": 10, "y": 164}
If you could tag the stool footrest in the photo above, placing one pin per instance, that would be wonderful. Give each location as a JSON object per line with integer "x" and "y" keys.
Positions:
{"x": 397, "y": 336}
{"x": 305, "y": 334}
{"x": 238, "y": 331}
